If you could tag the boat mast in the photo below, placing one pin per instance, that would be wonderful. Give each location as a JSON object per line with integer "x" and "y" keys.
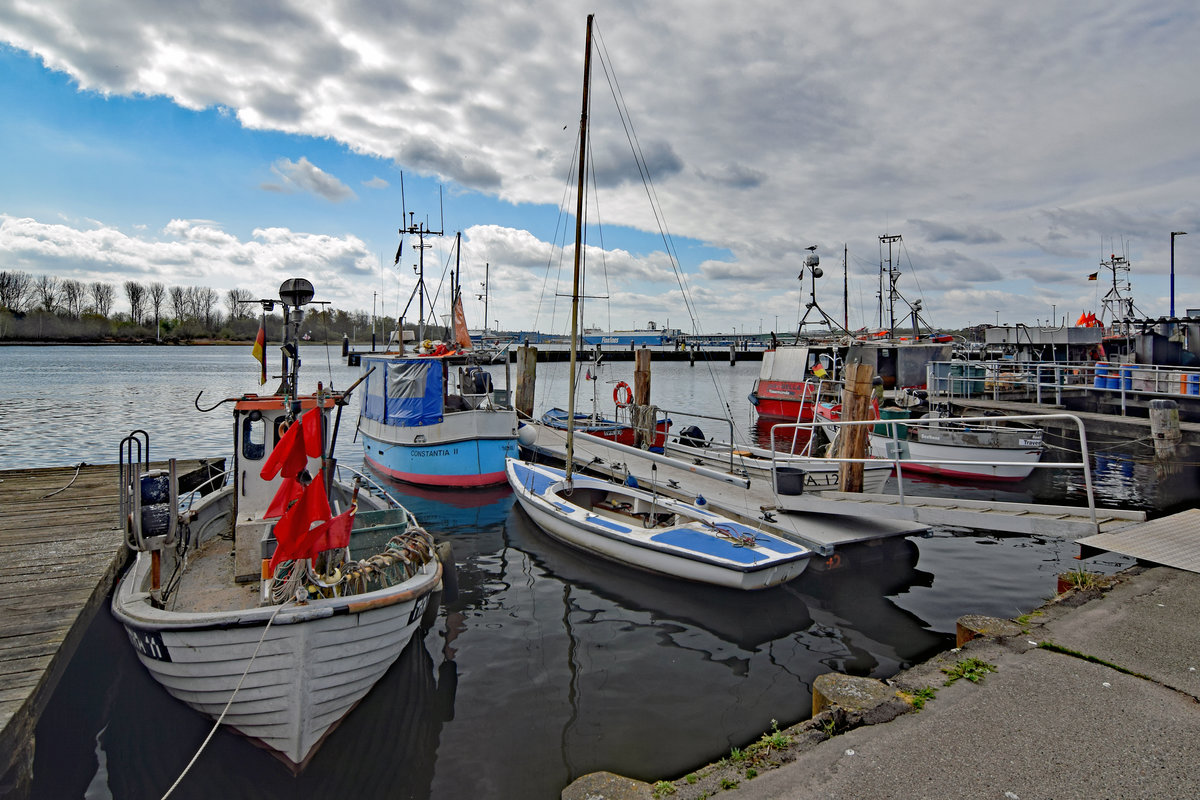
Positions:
{"x": 579, "y": 208}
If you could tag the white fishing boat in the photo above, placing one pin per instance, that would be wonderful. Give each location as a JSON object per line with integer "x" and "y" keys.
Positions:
{"x": 272, "y": 604}
{"x": 945, "y": 447}
{"x": 818, "y": 473}
{"x": 652, "y": 532}
{"x": 936, "y": 444}
{"x": 632, "y": 526}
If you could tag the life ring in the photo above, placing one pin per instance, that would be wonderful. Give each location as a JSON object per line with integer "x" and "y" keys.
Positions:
{"x": 622, "y": 394}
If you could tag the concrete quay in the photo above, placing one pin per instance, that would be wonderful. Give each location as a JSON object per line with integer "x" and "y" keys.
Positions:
{"x": 1094, "y": 695}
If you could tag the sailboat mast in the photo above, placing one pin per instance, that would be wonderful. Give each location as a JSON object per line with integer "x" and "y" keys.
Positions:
{"x": 579, "y": 209}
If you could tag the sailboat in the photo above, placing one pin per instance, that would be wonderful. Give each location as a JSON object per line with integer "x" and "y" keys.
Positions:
{"x": 634, "y": 526}
{"x": 276, "y": 602}
{"x": 431, "y": 417}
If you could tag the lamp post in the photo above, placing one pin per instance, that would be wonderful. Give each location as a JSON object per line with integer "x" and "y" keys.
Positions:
{"x": 1173, "y": 235}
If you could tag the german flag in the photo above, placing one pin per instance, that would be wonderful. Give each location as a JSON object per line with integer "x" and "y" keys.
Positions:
{"x": 260, "y": 351}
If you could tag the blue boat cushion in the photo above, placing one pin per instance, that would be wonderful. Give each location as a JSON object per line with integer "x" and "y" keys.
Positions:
{"x": 608, "y": 523}
{"x": 761, "y": 539}
{"x": 709, "y": 545}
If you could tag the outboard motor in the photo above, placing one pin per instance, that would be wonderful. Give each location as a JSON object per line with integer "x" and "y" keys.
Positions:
{"x": 692, "y": 436}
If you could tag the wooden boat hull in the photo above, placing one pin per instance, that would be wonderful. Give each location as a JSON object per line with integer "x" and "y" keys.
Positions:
{"x": 690, "y": 551}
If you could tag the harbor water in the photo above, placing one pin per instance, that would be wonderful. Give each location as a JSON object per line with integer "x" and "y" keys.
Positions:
{"x": 549, "y": 664}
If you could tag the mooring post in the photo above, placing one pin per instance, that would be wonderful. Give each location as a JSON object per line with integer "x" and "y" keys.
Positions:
{"x": 643, "y": 414}
{"x": 692, "y": 356}
{"x": 856, "y": 404}
{"x": 732, "y": 354}
{"x": 1164, "y": 428}
{"x": 526, "y": 377}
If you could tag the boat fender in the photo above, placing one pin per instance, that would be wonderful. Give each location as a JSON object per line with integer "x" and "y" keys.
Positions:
{"x": 622, "y": 394}
{"x": 445, "y": 554}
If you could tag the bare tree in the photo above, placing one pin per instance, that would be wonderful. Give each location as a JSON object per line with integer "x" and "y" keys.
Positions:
{"x": 206, "y": 307}
{"x": 103, "y": 296}
{"x": 136, "y": 293}
{"x": 157, "y": 294}
{"x": 237, "y": 301}
{"x": 15, "y": 289}
{"x": 179, "y": 302}
{"x": 73, "y": 295}
{"x": 48, "y": 291}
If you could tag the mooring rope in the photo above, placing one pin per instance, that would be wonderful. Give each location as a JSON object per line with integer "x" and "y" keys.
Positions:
{"x": 78, "y": 467}
{"x": 225, "y": 711}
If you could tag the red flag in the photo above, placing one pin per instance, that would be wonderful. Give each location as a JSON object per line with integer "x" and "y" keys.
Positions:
{"x": 301, "y": 440}
{"x": 289, "y": 490}
{"x": 335, "y": 534}
{"x": 260, "y": 351}
{"x": 293, "y": 533}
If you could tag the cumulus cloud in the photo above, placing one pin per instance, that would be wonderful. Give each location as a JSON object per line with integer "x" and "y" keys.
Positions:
{"x": 304, "y": 176}
{"x": 1023, "y": 143}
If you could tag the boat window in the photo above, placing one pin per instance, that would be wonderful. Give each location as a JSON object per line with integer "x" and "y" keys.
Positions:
{"x": 254, "y": 438}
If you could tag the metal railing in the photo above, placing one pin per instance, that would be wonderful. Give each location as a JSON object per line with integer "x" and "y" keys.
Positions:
{"x": 1084, "y": 463}
{"x": 966, "y": 379}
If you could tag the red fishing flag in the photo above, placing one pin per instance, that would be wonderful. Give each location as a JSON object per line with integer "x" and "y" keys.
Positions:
{"x": 294, "y": 533}
{"x": 301, "y": 440}
{"x": 260, "y": 350}
{"x": 289, "y": 490}
{"x": 335, "y": 534}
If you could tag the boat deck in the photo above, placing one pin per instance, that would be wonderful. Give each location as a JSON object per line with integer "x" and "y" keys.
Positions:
{"x": 822, "y": 533}
{"x": 63, "y": 549}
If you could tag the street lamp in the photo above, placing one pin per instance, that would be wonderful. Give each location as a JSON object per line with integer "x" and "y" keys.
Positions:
{"x": 1173, "y": 235}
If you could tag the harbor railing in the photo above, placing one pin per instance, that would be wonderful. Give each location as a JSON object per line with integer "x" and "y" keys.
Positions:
{"x": 893, "y": 427}
{"x": 1042, "y": 380}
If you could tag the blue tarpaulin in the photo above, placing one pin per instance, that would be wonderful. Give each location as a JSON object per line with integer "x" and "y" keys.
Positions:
{"x": 404, "y": 392}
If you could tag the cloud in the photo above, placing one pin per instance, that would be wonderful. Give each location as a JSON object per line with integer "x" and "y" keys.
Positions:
{"x": 304, "y": 176}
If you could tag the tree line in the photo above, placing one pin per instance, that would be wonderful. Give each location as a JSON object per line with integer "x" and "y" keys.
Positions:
{"x": 49, "y": 308}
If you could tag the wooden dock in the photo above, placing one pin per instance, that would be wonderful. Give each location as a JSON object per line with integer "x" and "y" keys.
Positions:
{"x": 822, "y": 533}
{"x": 824, "y": 520}
{"x": 62, "y": 549}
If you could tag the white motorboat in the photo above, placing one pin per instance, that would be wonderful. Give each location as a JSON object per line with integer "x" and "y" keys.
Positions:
{"x": 272, "y": 604}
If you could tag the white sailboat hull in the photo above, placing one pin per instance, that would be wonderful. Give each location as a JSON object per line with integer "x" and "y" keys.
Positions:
{"x": 679, "y": 551}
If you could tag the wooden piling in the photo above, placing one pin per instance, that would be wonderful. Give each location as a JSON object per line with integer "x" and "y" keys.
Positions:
{"x": 856, "y": 404}
{"x": 1164, "y": 429}
{"x": 732, "y": 354}
{"x": 641, "y": 378}
{"x": 526, "y": 378}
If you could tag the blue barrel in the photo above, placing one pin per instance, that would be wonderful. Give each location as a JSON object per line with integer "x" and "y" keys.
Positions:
{"x": 1193, "y": 383}
{"x": 1127, "y": 377}
{"x": 1101, "y": 379}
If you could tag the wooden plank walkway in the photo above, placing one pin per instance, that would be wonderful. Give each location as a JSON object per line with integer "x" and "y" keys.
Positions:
{"x": 820, "y": 532}
{"x": 62, "y": 550}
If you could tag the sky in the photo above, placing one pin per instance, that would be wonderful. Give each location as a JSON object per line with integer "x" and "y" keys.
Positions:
{"x": 1013, "y": 145}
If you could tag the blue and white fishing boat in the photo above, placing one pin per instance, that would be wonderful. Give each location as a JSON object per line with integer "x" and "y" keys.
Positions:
{"x": 433, "y": 421}
{"x": 431, "y": 417}
{"x": 648, "y": 531}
